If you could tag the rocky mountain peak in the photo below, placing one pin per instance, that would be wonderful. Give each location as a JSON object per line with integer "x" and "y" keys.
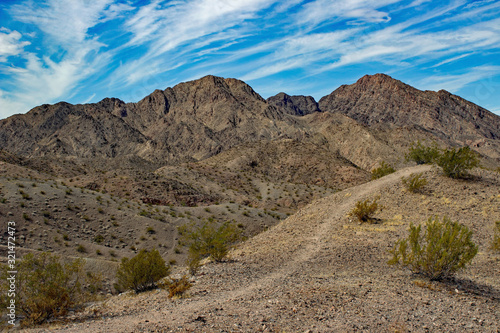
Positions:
{"x": 379, "y": 100}
{"x": 294, "y": 105}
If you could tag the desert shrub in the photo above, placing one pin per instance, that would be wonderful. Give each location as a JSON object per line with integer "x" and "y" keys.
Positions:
{"x": 422, "y": 154}
{"x": 99, "y": 239}
{"x": 414, "y": 182}
{"x": 46, "y": 287}
{"x": 210, "y": 240}
{"x": 443, "y": 249}
{"x": 495, "y": 245}
{"x": 142, "y": 272}
{"x": 364, "y": 210}
{"x": 178, "y": 287}
{"x": 457, "y": 163}
{"x": 383, "y": 170}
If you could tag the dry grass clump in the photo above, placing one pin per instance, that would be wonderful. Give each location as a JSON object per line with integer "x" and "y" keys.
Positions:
{"x": 414, "y": 182}
{"x": 364, "y": 210}
{"x": 383, "y": 170}
{"x": 495, "y": 245}
{"x": 178, "y": 287}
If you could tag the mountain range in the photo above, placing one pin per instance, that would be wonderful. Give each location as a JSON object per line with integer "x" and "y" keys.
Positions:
{"x": 211, "y": 150}
{"x": 199, "y": 119}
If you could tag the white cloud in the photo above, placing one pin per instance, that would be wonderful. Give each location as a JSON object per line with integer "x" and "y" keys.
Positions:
{"x": 453, "y": 59}
{"x": 66, "y": 22}
{"x": 45, "y": 81}
{"x": 186, "y": 28}
{"x": 65, "y": 26}
{"x": 299, "y": 52}
{"x": 10, "y": 44}
{"x": 455, "y": 82}
{"x": 326, "y": 10}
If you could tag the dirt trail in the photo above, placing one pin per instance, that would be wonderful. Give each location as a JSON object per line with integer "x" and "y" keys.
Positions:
{"x": 308, "y": 272}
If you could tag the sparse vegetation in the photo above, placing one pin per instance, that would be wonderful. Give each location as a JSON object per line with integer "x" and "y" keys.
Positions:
{"x": 457, "y": 163}
{"x": 422, "y": 154}
{"x": 443, "y": 249}
{"x": 209, "y": 240}
{"x": 47, "y": 287}
{"x": 414, "y": 182}
{"x": 142, "y": 272}
{"x": 364, "y": 210}
{"x": 495, "y": 245}
{"x": 80, "y": 248}
{"x": 383, "y": 170}
{"x": 99, "y": 239}
{"x": 178, "y": 287}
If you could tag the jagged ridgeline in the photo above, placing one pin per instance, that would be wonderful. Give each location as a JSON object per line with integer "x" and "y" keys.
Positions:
{"x": 199, "y": 119}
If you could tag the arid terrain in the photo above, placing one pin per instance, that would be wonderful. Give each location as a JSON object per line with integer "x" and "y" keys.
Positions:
{"x": 102, "y": 181}
{"x": 320, "y": 271}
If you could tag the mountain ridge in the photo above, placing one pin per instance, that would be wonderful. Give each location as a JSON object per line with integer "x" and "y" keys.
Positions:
{"x": 197, "y": 119}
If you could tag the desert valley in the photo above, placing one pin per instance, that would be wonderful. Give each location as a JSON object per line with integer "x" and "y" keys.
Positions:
{"x": 104, "y": 181}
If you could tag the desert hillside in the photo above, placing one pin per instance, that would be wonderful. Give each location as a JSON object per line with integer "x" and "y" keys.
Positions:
{"x": 321, "y": 271}
{"x": 104, "y": 181}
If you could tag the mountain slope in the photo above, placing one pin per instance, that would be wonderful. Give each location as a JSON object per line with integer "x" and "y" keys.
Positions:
{"x": 320, "y": 271}
{"x": 380, "y": 100}
{"x": 294, "y": 105}
{"x": 192, "y": 121}
{"x": 199, "y": 119}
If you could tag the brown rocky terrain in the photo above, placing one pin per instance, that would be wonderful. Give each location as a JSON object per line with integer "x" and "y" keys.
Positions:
{"x": 381, "y": 101}
{"x": 104, "y": 180}
{"x": 198, "y": 119}
{"x": 320, "y": 271}
{"x": 294, "y": 105}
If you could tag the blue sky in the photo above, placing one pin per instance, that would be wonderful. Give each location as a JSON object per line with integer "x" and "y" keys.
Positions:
{"x": 82, "y": 51}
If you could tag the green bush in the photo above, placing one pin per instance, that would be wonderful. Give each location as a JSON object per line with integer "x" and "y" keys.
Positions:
{"x": 142, "y": 272}
{"x": 457, "y": 163}
{"x": 364, "y": 210}
{"x": 495, "y": 245}
{"x": 383, "y": 170}
{"x": 47, "y": 288}
{"x": 209, "y": 240}
{"x": 443, "y": 249}
{"x": 414, "y": 182}
{"x": 422, "y": 154}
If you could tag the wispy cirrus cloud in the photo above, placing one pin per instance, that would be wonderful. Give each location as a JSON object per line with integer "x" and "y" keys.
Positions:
{"x": 185, "y": 27}
{"x": 455, "y": 82}
{"x": 84, "y": 50}
{"x": 73, "y": 51}
{"x": 321, "y": 11}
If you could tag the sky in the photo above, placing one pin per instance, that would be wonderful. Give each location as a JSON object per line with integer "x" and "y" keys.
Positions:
{"x": 81, "y": 51}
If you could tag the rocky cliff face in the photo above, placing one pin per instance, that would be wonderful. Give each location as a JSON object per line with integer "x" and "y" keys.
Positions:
{"x": 294, "y": 105}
